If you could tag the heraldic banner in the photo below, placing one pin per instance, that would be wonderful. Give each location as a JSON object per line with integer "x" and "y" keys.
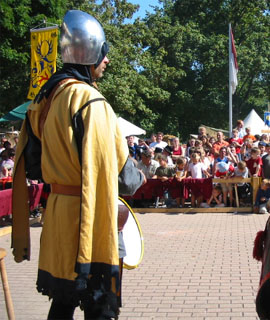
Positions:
{"x": 43, "y": 57}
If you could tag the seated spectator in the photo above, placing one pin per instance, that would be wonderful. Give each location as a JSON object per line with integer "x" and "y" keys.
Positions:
{"x": 246, "y": 149}
{"x": 219, "y": 144}
{"x": 132, "y": 146}
{"x": 241, "y": 171}
{"x": 262, "y": 204}
{"x": 159, "y": 142}
{"x": 148, "y": 165}
{"x": 196, "y": 170}
{"x": 177, "y": 149}
{"x": 248, "y": 135}
{"x": 216, "y": 199}
{"x": 254, "y": 164}
{"x": 262, "y": 147}
{"x": 164, "y": 172}
{"x": 181, "y": 173}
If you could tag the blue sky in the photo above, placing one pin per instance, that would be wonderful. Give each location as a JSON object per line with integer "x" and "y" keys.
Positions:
{"x": 144, "y": 6}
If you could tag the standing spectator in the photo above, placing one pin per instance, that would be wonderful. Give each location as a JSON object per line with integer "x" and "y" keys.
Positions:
{"x": 132, "y": 146}
{"x": 242, "y": 171}
{"x": 240, "y": 128}
{"x": 153, "y": 138}
{"x": 3, "y": 140}
{"x": 265, "y": 138}
{"x": 219, "y": 144}
{"x": 266, "y": 163}
{"x": 181, "y": 173}
{"x": 205, "y": 142}
{"x": 148, "y": 165}
{"x": 248, "y": 135}
{"x": 7, "y": 162}
{"x": 167, "y": 151}
{"x": 202, "y": 132}
{"x": 246, "y": 149}
{"x": 254, "y": 164}
{"x": 191, "y": 144}
{"x": 164, "y": 172}
{"x": 262, "y": 147}
{"x": 142, "y": 146}
{"x": 196, "y": 170}
{"x": 177, "y": 149}
{"x": 159, "y": 143}
{"x": 237, "y": 142}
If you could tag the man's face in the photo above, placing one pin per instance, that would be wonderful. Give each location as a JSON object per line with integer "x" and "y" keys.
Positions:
{"x": 130, "y": 139}
{"x": 98, "y": 72}
{"x": 219, "y": 136}
{"x": 159, "y": 137}
{"x": 241, "y": 124}
{"x": 146, "y": 160}
{"x": 262, "y": 149}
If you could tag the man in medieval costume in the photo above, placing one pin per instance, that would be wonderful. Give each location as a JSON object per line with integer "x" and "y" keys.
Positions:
{"x": 84, "y": 158}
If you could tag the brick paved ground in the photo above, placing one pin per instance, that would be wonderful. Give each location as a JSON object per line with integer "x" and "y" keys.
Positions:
{"x": 196, "y": 266}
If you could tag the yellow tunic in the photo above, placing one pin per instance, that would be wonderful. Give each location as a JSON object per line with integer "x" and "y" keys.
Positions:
{"x": 80, "y": 232}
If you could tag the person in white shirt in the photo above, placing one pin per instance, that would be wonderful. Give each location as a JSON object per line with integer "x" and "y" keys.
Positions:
{"x": 159, "y": 143}
{"x": 240, "y": 128}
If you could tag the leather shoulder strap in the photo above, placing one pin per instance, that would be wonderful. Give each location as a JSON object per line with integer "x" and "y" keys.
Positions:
{"x": 45, "y": 110}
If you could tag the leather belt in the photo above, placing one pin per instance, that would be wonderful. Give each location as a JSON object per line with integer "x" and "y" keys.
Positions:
{"x": 66, "y": 190}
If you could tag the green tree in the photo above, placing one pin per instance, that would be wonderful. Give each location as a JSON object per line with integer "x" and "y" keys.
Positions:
{"x": 189, "y": 39}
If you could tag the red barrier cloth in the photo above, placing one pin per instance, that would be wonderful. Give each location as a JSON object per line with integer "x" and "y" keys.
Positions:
{"x": 198, "y": 187}
{"x": 155, "y": 188}
{"x": 6, "y": 199}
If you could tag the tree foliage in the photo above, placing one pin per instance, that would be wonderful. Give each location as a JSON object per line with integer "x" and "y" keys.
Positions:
{"x": 167, "y": 72}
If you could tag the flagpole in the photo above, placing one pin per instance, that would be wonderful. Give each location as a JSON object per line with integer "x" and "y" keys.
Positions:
{"x": 230, "y": 85}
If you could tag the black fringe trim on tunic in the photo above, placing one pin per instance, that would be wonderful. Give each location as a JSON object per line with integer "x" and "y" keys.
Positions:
{"x": 96, "y": 294}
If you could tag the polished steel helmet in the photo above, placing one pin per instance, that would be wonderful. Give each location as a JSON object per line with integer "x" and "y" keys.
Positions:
{"x": 82, "y": 38}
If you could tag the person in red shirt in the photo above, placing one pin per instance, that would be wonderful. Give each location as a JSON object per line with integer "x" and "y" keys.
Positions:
{"x": 254, "y": 164}
{"x": 236, "y": 141}
{"x": 177, "y": 149}
{"x": 248, "y": 134}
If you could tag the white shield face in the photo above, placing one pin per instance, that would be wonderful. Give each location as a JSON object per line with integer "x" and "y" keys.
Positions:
{"x": 133, "y": 240}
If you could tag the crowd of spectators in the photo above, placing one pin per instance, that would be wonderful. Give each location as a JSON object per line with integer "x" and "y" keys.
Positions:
{"x": 242, "y": 155}
{"x": 7, "y": 155}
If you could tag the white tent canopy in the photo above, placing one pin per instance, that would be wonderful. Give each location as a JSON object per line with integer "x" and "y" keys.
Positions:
{"x": 129, "y": 129}
{"x": 255, "y": 122}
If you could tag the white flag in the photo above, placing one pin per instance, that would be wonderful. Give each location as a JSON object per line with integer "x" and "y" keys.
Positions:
{"x": 233, "y": 64}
